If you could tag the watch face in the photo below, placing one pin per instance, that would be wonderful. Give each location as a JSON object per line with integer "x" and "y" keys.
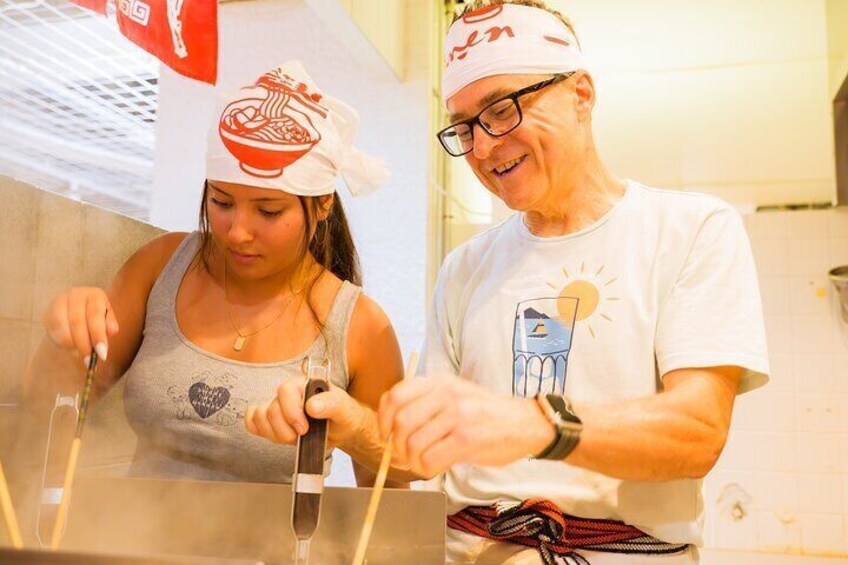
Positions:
{"x": 562, "y": 406}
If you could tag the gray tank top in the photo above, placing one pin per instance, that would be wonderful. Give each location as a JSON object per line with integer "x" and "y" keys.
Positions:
{"x": 187, "y": 405}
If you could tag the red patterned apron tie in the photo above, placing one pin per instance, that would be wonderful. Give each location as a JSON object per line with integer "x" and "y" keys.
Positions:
{"x": 539, "y": 523}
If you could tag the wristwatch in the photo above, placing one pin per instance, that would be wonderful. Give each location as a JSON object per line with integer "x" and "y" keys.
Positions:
{"x": 567, "y": 426}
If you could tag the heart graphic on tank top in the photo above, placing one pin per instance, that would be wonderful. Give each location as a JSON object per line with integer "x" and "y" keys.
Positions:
{"x": 207, "y": 400}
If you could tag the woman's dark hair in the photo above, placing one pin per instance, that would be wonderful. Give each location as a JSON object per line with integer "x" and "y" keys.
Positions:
{"x": 329, "y": 241}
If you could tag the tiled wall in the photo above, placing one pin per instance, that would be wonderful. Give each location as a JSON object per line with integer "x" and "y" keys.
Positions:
{"x": 788, "y": 449}
{"x": 48, "y": 243}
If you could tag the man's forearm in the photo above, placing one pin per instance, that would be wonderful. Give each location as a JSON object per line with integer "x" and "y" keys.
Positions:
{"x": 676, "y": 434}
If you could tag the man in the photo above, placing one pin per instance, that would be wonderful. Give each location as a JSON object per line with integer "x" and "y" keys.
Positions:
{"x": 583, "y": 356}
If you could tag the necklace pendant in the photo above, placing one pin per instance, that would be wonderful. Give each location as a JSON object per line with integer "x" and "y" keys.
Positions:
{"x": 239, "y": 343}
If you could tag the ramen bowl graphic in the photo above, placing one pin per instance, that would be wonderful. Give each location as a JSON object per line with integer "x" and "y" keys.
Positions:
{"x": 265, "y": 145}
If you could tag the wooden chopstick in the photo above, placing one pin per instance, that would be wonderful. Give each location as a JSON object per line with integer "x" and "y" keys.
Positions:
{"x": 377, "y": 492}
{"x": 73, "y": 457}
{"x": 9, "y": 513}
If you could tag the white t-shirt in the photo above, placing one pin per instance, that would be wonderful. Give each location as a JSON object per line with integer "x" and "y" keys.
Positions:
{"x": 665, "y": 280}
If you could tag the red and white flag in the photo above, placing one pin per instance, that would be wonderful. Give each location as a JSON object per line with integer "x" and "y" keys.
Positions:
{"x": 98, "y": 6}
{"x": 183, "y": 34}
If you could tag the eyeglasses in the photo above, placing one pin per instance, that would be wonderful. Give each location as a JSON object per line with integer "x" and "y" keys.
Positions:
{"x": 497, "y": 119}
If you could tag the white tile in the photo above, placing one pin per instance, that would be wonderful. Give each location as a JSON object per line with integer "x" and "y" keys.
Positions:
{"x": 823, "y": 533}
{"x": 767, "y": 225}
{"x": 840, "y": 372}
{"x": 838, "y": 252}
{"x": 838, "y": 222}
{"x": 770, "y": 256}
{"x": 782, "y": 375}
{"x": 820, "y": 493}
{"x": 819, "y": 413}
{"x": 764, "y": 411}
{"x": 718, "y": 479}
{"x": 843, "y": 400}
{"x": 813, "y": 333}
{"x": 808, "y": 224}
{"x": 775, "y": 452}
{"x": 775, "y": 295}
{"x": 717, "y": 506}
{"x": 712, "y": 485}
{"x": 778, "y": 532}
{"x": 809, "y": 295}
{"x": 840, "y": 333}
{"x": 808, "y": 257}
{"x": 775, "y": 491}
{"x": 819, "y": 453}
{"x": 816, "y": 373}
{"x": 843, "y": 453}
{"x": 736, "y": 535}
{"x": 840, "y": 337}
{"x": 740, "y": 451}
{"x": 779, "y": 334}
{"x": 845, "y": 490}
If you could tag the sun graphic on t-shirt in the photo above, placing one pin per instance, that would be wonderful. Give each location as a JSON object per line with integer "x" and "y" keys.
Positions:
{"x": 593, "y": 291}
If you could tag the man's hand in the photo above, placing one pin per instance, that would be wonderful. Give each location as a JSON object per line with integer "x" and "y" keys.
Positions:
{"x": 439, "y": 421}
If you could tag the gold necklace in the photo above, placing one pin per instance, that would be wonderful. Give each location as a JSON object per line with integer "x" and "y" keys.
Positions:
{"x": 241, "y": 338}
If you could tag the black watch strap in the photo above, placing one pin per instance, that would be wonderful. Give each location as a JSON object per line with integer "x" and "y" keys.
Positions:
{"x": 566, "y": 425}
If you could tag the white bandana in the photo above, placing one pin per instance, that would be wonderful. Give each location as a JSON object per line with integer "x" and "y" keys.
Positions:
{"x": 507, "y": 39}
{"x": 282, "y": 133}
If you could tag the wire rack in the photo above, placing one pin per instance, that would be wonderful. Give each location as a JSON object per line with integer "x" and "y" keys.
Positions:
{"x": 77, "y": 105}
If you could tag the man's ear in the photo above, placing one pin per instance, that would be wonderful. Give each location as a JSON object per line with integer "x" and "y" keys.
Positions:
{"x": 325, "y": 204}
{"x": 584, "y": 88}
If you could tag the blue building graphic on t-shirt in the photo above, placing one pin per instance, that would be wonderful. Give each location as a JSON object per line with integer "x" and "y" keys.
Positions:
{"x": 542, "y": 336}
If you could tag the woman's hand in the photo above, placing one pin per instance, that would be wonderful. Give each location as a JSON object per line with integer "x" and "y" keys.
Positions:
{"x": 80, "y": 320}
{"x": 282, "y": 419}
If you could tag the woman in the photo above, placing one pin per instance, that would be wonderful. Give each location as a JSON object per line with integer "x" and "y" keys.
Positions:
{"x": 205, "y": 325}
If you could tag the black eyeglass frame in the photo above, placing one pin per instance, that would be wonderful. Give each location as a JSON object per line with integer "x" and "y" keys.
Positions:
{"x": 471, "y": 122}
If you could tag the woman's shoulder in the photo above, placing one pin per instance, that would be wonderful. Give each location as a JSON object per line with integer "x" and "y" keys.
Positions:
{"x": 368, "y": 317}
{"x": 165, "y": 245}
{"x": 149, "y": 260}
{"x": 370, "y": 328}
{"x": 373, "y": 352}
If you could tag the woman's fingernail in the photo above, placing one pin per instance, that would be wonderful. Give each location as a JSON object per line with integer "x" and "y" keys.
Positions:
{"x": 300, "y": 428}
{"x": 86, "y": 360}
{"x": 101, "y": 350}
{"x": 317, "y": 407}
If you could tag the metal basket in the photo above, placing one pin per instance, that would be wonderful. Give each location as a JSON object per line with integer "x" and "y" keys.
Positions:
{"x": 839, "y": 278}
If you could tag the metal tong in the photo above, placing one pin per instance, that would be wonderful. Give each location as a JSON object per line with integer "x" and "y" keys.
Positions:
{"x": 308, "y": 479}
{"x": 60, "y": 433}
{"x": 73, "y": 457}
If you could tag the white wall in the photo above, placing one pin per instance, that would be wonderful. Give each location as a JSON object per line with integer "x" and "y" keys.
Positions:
{"x": 724, "y": 97}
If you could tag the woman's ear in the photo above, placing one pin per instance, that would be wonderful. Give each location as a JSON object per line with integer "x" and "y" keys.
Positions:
{"x": 325, "y": 204}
